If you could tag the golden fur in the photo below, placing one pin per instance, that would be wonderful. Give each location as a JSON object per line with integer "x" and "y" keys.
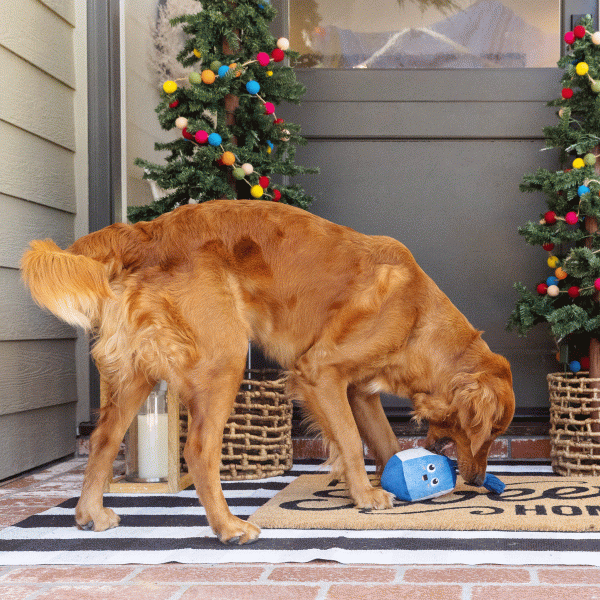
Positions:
{"x": 348, "y": 315}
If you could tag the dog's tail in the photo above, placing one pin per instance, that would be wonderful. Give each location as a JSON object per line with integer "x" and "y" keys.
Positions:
{"x": 71, "y": 286}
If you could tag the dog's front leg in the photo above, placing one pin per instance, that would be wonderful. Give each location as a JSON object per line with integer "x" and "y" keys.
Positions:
{"x": 373, "y": 425}
{"x": 115, "y": 418}
{"x": 325, "y": 397}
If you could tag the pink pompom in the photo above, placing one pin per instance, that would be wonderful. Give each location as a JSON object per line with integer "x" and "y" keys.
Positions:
{"x": 571, "y": 218}
{"x": 597, "y": 283}
{"x": 269, "y": 108}
{"x": 569, "y": 37}
{"x": 263, "y": 59}
{"x": 201, "y": 136}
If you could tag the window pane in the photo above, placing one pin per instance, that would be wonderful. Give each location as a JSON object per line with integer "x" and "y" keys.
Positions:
{"x": 443, "y": 34}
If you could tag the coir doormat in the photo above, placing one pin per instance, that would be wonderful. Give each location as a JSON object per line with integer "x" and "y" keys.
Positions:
{"x": 529, "y": 503}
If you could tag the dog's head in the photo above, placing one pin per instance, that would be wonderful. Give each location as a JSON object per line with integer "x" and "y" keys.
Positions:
{"x": 478, "y": 407}
{"x": 482, "y": 407}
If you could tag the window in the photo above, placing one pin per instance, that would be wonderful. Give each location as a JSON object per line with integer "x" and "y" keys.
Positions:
{"x": 346, "y": 34}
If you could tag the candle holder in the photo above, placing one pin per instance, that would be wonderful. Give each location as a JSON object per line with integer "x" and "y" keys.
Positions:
{"x": 153, "y": 456}
{"x": 147, "y": 442}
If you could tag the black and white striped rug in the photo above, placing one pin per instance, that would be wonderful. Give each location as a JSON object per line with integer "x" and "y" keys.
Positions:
{"x": 172, "y": 528}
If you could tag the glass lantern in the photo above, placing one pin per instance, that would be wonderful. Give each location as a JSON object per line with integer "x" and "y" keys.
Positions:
{"x": 147, "y": 456}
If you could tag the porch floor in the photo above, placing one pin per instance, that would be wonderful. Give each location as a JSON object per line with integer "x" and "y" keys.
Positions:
{"x": 47, "y": 487}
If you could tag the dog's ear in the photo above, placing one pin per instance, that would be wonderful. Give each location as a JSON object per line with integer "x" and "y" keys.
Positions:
{"x": 476, "y": 407}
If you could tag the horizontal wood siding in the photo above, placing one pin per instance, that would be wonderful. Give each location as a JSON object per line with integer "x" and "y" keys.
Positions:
{"x": 36, "y": 374}
{"x": 35, "y": 437}
{"x": 38, "y": 198}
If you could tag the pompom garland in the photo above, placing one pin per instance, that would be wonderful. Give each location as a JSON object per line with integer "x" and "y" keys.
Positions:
{"x": 209, "y": 77}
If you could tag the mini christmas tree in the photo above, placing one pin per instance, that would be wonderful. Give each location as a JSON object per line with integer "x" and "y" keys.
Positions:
{"x": 567, "y": 299}
{"x": 231, "y": 142}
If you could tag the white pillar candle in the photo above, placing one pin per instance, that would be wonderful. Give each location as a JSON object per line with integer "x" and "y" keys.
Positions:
{"x": 153, "y": 454}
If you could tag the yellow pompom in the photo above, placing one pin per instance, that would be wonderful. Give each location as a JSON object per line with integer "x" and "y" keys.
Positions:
{"x": 553, "y": 262}
{"x": 228, "y": 158}
{"x": 578, "y": 163}
{"x": 256, "y": 191}
{"x": 169, "y": 87}
{"x": 208, "y": 76}
{"x": 269, "y": 73}
{"x": 581, "y": 68}
{"x": 197, "y": 53}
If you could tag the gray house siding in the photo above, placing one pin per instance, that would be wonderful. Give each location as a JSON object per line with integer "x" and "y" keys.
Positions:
{"x": 42, "y": 177}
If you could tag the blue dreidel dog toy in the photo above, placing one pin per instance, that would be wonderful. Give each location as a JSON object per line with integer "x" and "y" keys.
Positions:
{"x": 418, "y": 474}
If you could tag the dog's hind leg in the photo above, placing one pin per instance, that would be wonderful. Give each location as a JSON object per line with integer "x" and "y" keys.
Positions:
{"x": 323, "y": 392}
{"x": 209, "y": 392}
{"x": 115, "y": 418}
{"x": 373, "y": 425}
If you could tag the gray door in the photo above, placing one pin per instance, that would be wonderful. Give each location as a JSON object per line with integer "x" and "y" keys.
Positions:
{"x": 434, "y": 158}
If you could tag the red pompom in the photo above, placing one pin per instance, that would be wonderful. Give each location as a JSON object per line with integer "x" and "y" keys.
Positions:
{"x": 567, "y": 93}
{"x": 174, "y": 104}
{"x": 569, "y": 37}
{"x": 277, "y": 55}
{"x": 579, "y": 31}
{"x": 542, "y": 288}
{"x": 263, "y": 182}
{"x": 548, "y": 247}
{"x": 276, "y": 195}
{"x": 573, "y": 291}
{"x": 585, "y": 363}
{"x": 278, "y": 121}
{"x": 186, "y": 134}
{"x": 550, "y": 217}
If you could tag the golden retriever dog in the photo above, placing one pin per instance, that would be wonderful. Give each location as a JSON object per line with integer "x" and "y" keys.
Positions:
{"x": 348, "y": 315}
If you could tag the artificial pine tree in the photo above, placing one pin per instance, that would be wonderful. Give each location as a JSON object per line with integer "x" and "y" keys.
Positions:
{"x": 568, "y": 298}
{"x": 231, "y": 142}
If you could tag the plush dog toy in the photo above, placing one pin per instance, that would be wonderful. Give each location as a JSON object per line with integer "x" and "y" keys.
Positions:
{"x": 418, "y": 474}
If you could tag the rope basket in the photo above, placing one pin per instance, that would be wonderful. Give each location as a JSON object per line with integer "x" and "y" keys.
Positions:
{"x": 257, "y": 440}
{"x": 574, "y": 424}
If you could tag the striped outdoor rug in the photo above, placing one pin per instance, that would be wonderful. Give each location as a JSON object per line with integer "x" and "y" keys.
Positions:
{"x": 172, "y": 528}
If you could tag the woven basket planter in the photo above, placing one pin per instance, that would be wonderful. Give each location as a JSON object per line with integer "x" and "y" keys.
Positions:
{"x": 574, "y": 424}
{"x": 257, "y": 440}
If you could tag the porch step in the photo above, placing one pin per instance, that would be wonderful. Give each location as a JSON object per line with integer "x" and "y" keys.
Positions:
{"x": 524, "y": 440}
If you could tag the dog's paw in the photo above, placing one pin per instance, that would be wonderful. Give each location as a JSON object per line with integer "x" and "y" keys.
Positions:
{"x": 238, "y": 532}
{"x": 104, "y": 519}
{"x": 440, "y": 446}
{"x": 376, "y": 498}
